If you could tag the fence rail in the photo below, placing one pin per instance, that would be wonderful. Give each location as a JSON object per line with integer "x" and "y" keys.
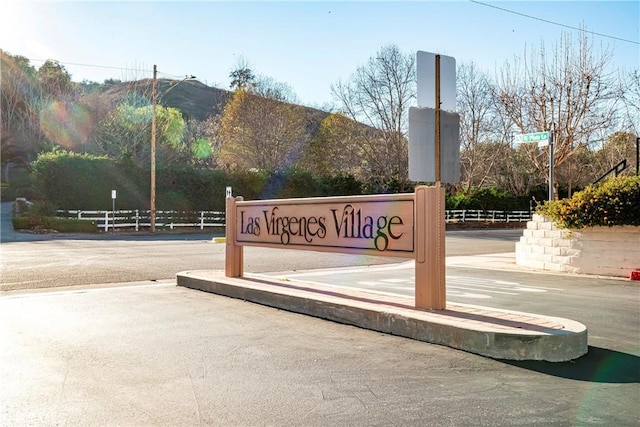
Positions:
{"x": 137, "y": 219}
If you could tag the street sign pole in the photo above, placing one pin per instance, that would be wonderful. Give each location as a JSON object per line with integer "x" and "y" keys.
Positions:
{"x": 551, "y": 198}
{"x": 113, "y": 211}
{"x": 543, "y": 139}
{"x": 437, "y": 120}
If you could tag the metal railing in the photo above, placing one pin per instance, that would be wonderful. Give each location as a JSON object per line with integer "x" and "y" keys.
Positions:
{"x": 139, "y": 219}
{"x": 616, "y": 170}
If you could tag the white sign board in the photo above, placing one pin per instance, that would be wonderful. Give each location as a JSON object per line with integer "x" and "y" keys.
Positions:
{"x": 426, "y": 81}
{"x": 422, "y": 145}
{"x": 113, "y": 194}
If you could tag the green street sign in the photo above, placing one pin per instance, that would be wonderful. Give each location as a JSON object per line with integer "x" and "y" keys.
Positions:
{"x": 542, "y": 138}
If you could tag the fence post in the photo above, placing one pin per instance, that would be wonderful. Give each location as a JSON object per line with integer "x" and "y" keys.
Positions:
{"x": 106, "y": 221}
{"x": 137, "y": 219}
{"x": 201, "y": 220}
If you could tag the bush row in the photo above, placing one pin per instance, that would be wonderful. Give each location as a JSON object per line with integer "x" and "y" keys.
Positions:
{"x": 615, "y": 202}
{"x": 80, "y": 181}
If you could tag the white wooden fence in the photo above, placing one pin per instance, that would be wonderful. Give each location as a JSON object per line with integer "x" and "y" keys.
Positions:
{"x": 486, "y": 216}
{"x": 137, "y": 219}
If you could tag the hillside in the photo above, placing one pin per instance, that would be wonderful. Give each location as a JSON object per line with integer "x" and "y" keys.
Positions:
{"x": 195, "y": 99}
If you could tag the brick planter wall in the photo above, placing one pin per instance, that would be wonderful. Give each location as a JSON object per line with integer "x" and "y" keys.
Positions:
{"x": 606, "y": 251}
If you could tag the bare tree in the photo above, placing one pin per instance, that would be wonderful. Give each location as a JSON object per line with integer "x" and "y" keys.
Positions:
{"x": 378, "y": 94}
{"x": 631, "y": 90}
{"x": 335, "y": 148}
{"x": 477, "y": 126}
{"x": 20, "y": 103}
{"x": 569, "y": 91}
{"x": 203, "y": 141}
{"x": 619, "y": 147}
{"x": 268, "y": 87}
{"x": 261, "y": 133}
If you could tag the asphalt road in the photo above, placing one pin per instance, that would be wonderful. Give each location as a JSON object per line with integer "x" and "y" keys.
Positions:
{"x": 145, "y": 353}
{"x": 31, "y": 261}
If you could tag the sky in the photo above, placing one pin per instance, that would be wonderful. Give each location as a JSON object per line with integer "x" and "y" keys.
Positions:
{"x": 308, "y": 45}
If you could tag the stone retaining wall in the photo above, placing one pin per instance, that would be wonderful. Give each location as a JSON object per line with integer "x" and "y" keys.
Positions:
{"x": 606, "y": 251}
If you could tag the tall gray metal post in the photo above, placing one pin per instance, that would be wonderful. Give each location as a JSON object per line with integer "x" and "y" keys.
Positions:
{"x": 551, "y": 165}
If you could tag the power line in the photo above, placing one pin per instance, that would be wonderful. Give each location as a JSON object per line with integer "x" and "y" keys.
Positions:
{"x": 106, "y": 67}
{"x": 554, "y": 23}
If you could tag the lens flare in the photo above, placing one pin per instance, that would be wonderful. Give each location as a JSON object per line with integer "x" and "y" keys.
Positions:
{"x": 66, "y": 124}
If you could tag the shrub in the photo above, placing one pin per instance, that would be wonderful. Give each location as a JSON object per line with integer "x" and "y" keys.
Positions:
{"x": 83, "y": 181}
{"x": 616, "y": 202}
{"x": 63, "y": 225}
{"x": 68, "y": 225}
{"x": 341, "y": 185}
{"x": 488, "y": 199}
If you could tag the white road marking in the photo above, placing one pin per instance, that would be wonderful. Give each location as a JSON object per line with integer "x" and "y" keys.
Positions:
{"x": 458, "y": 286}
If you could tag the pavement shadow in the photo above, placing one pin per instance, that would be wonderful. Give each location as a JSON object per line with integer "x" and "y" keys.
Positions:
{"x": 599, "y": 365}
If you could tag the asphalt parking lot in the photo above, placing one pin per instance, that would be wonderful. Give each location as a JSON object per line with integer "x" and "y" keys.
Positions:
{"x": 157, "y": 354}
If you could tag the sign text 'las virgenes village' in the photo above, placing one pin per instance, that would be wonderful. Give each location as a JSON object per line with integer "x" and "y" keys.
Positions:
{"x": 363, "y": 225}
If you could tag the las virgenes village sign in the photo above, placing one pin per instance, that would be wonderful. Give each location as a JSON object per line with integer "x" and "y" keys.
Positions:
{"x": 409, "y": 225}
{"x": 361, "y": 224}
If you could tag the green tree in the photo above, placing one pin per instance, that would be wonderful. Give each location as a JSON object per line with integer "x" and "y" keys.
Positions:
{"x": 54, "y": 79}
{"x": 242, "y": 77}
{"x": 125, "y": 133}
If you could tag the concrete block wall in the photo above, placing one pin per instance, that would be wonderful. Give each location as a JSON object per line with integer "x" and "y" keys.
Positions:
{"x": 607, "y": 251}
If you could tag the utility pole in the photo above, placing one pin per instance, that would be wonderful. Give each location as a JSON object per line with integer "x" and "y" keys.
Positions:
{"x": 154, "y": 102}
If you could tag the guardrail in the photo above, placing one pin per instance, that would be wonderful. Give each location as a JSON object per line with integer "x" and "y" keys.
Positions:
{"x": 137, "y": 219}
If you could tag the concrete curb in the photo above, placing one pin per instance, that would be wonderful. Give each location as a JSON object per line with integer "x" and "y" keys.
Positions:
{"x": 500, "y": 334}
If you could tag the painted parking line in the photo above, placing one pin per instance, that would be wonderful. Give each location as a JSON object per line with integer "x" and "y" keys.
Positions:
{"x": 399, "y": 279}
